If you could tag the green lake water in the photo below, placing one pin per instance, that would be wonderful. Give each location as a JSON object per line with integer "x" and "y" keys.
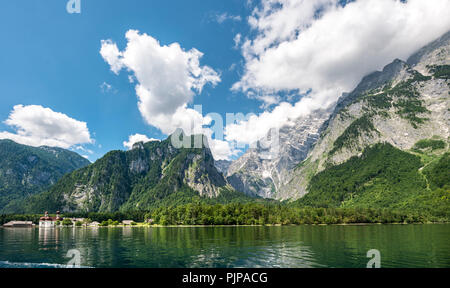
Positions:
{"x": 287, "y": 246}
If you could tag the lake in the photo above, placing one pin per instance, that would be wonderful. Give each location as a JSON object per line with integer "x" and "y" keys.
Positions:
{"x": 189, "y": 247}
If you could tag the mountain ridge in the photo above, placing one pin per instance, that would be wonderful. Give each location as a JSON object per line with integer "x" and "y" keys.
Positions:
{"x": 402, "y": 104}
{"x": 150, "y": 175}
{"x": 27, "y": 170}
{"x": 409, "y": 106}
{"x": 400, "y": 112}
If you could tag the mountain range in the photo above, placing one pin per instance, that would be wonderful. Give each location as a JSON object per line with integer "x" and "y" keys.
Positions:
{"x": 25, "y": 170}
{"x": 151, "y": 175}
{"x": 383, "y": 145}
{"x": 405, "y": 104}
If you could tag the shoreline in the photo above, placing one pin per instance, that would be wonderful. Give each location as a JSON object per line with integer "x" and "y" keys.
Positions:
{"x": 213, "y": 226}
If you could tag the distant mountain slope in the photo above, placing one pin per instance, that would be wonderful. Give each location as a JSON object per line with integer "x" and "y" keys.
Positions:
{"x": 222, "y": 166}
{"x": 26, "y": 170}
{"x": 150, "y": 175}
{"x": 386, "y": 145}
{"x": 376, "y": 149}
{"x": 385, "y": 177}
{"x": 404, "y": 104}
{"x": 257, "y": 175}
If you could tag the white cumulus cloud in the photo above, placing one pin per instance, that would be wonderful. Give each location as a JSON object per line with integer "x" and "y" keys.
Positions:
{"x": 167, "y": 78}
{"x": 107, "y": 88}
{"x": 39, "y": 126}
{"x": 324, "y": 47}
{"x": 136, "y": 138}
{"x": 220, "y": 18}
{"x": 222, "y": 150}
{"x": 237, "y": 40}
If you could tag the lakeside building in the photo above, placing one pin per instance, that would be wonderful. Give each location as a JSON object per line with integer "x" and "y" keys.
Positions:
{"x": 49, "y": 222}
{"x": 19, "y": 224}
{"x": 127, "y": 222}
{"x": 94, "y": 224}
{"x": 75, "y": 220}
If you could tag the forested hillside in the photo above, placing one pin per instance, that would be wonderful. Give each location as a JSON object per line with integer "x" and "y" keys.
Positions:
{"x": 151, "y": 175}
{"x": 385, "y": 177}
{"x": 26, "y": 170}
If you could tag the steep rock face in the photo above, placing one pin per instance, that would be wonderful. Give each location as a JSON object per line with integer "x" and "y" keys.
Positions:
{"x": 223, "y": 166}
{"x": 405, "y": 103}
{"x": 257, "y": 175}
{"x": 141, "y": 178}
{"x": 26, "y": 170}
{"x": 202, "y": 176}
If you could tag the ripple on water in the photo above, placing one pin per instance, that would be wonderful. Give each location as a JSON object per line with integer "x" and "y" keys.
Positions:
{"x": 293, "y": 246}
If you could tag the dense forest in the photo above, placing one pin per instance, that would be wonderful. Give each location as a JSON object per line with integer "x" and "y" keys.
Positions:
{"x": 259, "y": 214}
{"x": 386, "y": 177}
{"x": 249, "y": 214}
{"x": 383, "y": 185}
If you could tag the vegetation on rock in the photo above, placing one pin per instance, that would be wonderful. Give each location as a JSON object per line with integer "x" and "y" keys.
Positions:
{"x": 26, "y": 170}
{"x": 383, "y": 177}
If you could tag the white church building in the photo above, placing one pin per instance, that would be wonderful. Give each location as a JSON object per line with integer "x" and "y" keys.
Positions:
{"x": 49, "y": 222}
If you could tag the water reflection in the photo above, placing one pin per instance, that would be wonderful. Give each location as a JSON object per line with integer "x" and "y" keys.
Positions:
{"x": 49, "y": 236}
{"x": 303, "y": 246}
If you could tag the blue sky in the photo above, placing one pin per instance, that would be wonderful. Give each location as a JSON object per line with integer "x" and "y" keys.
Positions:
{"x": 287, "y": 49}
{"x": 51, "y": 58}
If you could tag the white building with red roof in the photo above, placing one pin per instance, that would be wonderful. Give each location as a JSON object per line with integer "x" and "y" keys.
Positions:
{"x": 49, "y": 222}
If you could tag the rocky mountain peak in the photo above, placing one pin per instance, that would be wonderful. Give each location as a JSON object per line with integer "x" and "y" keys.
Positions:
{"x": 405, "y": 103}
{"x": 143, "y": 177}
{"x": 262, "y": 176}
